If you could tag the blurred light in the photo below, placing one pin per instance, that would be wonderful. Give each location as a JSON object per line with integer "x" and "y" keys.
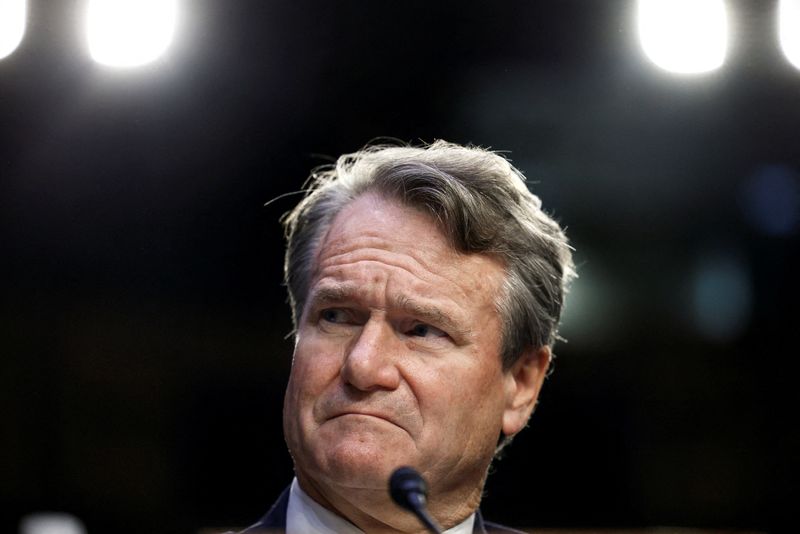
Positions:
{"x": 721, "y": 297}
{"x": 128, "y": 33}
{"x": 771, "y": 200}
{"x": 684, "y": 36}
{"x": 51, "y": 523}
{"x": 12, "y": 25}
{"x": 789, "y": 30}
{"x": 594, "y": 311}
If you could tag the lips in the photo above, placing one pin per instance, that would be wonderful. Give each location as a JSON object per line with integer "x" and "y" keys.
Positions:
{"x": 367, "y": 414}
{"x": 399, "y": 410}
{"x": 392, "y": 417}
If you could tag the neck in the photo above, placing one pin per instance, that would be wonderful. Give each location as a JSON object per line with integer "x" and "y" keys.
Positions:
{"x": 373, "y": 510}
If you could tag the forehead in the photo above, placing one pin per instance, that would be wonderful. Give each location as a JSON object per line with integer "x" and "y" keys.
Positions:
{"x": 383, "y": 244}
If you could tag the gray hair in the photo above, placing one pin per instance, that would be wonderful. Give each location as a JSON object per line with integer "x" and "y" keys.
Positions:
{"x": 481, "y": 203}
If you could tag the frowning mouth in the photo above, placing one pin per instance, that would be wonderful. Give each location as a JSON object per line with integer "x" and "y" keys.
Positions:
{"x": 368, "y": 415}
{"x": 364, "y": 414}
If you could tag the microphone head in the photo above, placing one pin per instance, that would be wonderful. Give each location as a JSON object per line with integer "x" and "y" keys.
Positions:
{"x": 408, "y": 488}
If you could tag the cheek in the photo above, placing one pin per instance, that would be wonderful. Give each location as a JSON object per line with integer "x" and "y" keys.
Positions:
{"x": 314, "y": 366}
{"x": 313, "y": 370}
{"x": 445, "y": 392}
{"x": 461, "y": 397}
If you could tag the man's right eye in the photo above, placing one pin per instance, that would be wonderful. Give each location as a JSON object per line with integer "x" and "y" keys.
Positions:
{"x": 333, "y": 315}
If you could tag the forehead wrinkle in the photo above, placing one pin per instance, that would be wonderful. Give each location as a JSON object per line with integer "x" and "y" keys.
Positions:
{"x": 355, "y": 256}
{"x": 340, "y": 239}
{"x": 406, "y": 260}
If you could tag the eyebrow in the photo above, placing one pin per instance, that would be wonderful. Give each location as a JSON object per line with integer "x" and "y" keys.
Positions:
{"x": 332, "y": 294}
{"x": 342, "y": 293}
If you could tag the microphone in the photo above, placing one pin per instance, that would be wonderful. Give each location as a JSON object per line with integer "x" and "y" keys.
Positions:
{"x": 409, "y": 490}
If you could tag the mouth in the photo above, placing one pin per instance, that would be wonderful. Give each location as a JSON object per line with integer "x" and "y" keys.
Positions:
{"x": 364, "y": 414}
{"x": 369, "y": 415}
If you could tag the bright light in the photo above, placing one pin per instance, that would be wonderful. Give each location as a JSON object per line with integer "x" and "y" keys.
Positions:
{"x": 128, "y": 33}
{"x": 12, "y": 25}
{"x": 684, "y": 36}
{"x": 789, "y": 30}
{"x": 51, "y": 523}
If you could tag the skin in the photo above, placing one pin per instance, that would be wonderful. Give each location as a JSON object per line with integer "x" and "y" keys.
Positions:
{"x": 397, "y": 362}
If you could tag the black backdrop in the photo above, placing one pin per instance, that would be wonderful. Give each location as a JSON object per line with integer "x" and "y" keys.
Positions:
{"x": 143, "y": 321}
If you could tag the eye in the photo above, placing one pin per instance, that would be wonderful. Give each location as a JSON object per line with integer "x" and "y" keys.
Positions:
{"x": 426, "y": 330}
{"x": 333, "y": 315}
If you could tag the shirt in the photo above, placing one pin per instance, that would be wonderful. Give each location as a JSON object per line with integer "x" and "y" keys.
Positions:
{"x": 305, "y": 516}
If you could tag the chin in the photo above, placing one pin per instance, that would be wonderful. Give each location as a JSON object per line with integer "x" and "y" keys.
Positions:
{"x": 357, "y": 463}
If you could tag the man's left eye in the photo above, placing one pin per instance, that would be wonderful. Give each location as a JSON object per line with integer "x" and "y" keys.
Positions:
{"x": 426, "y": 330}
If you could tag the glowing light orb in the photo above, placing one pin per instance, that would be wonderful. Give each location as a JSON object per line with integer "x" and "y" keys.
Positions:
{"x": 789, "y": 30}
{"x": 129, "y": 33}
{"x": 12, "y": 25}
{"x": 684, "y": 36}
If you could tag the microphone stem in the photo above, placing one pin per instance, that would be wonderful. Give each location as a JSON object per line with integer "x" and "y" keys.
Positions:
{"x": 428, "y": 521}
{"x": 418, "y": 505}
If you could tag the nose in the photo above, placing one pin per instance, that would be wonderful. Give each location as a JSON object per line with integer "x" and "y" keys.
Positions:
{"x": 370, "y": 362}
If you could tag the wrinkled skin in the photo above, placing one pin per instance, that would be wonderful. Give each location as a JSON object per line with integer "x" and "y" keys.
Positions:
{"x": 397, "y": 362}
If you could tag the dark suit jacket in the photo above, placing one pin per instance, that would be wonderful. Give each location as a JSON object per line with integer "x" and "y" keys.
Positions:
{"x": 275, "y": 521}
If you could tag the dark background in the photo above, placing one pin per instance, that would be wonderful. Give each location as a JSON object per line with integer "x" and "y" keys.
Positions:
{"x": 142, "y": 317}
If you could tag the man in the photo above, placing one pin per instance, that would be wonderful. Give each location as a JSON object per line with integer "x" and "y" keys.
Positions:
{"x": 426, "y": 287}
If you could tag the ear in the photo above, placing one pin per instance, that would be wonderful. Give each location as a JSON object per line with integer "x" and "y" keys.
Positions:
{"x": 523, "y": 381}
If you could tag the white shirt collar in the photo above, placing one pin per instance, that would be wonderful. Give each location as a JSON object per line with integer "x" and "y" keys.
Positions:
{"x": 305, "y": 516}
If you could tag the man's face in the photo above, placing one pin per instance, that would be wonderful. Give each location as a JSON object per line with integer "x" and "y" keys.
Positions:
{"x": 397, "y": 356}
